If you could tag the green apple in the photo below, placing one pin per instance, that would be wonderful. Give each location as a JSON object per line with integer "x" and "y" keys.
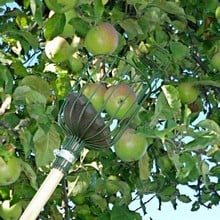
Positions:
{"x": 58, "y": 49}
{"x": 112, "y": 185}
{"x": 188, "y": 93}
{"x": 164, "y": 163}
{"x": 101, "y": 39}
{"x": 131, "y": 146}
{"x": 120, "y": 101}
{"x": 95, "y": 93}
{"x": 9, "y": 170}
{"x": 8, "y": 212}
{"x": 215, "y": 61}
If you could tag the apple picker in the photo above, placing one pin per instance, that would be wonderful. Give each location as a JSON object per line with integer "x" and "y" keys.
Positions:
{"x": 83, "y": 125}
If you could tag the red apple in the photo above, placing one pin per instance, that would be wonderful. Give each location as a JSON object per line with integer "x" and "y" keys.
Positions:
{"x": 95, "y": 93}
{"x": 120, "y": 101}
{"x": 131, "y": 146}
{"x": 101, "y": 39}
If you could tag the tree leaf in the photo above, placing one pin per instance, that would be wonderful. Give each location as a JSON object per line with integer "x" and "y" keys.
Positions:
{"x": 162, "y": 110}
{"x": 124, "y": 188}
{"x": 26, "y": 141}
{"x": 202, "y": 142}
{"x": 38, "y": 84}
{"x": 131, "y": 27}
{"x": 173, "y": 8}
{"x": 144, "y": 169}
{"x": 211, "y": 125}
{"x": 98, "y": 8}
{"x": 184, "y": 198}
{"x": 179, "y": 51}
{"x": 171, "y": 94}
{"x": 45, "y": 144}
{"x": 31, "y": 175}
{"x": 27, "y": 36}
{"x": 54, "y": 26}
{"x": 80, "y": 26}
{"x": 6, "y": 80}
{"x": 99, "y": 201}
{"x": 122, "y": 212}
{"x": 78, "y": 183}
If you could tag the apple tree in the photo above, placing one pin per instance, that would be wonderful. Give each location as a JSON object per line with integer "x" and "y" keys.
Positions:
{"x": 176, "y": 46}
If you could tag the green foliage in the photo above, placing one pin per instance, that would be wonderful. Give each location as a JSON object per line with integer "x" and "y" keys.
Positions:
{"x": 170, "y": 42}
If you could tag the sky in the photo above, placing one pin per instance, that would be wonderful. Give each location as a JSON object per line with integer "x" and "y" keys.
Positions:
{"x": 183, "y": 211}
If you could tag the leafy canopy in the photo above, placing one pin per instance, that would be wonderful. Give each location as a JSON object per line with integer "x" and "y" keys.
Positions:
{"x": 170, "y": 42}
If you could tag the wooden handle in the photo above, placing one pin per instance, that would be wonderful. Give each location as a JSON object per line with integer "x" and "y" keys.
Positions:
{"x": 43, "y": 194}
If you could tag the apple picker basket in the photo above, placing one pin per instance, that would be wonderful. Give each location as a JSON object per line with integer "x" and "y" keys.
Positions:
{"x": 84, "y": 126}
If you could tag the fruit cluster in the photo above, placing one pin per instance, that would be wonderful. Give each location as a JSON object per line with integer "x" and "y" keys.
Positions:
{"x": 120, "y": 102}
{"x": 100, "y": 39}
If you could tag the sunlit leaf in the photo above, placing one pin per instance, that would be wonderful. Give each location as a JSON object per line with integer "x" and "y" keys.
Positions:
{"x": 45, "y": 144}
{"x": 54, "y": 26}
{"x": 80, "y": 25}
{"x": 211, "y": 125}
{"x": 78, "y": 183}
{"x": 202, "y": 142}
{"x": 162, "y": 110}
{"x": 98, "y": 8}
{"x": 171, "y": 94}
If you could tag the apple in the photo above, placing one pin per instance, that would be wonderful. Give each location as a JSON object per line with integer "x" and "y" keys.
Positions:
{"x": 215, "y": 61}
{"x": 58, "y": 49}
{"x": 120, "y": 101}
{"x": 112, "y": 185}
{"x": 217, "y": 13}
{"x": 101, "y": 39}
{"x": 131, "y": 146}
{"x": 8, "y": 212}
{"x": 9, "y": 170}
{"x": 188, "y": 93}
{"x": 95, "y": 93}
{"x": 164, "y": 163}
